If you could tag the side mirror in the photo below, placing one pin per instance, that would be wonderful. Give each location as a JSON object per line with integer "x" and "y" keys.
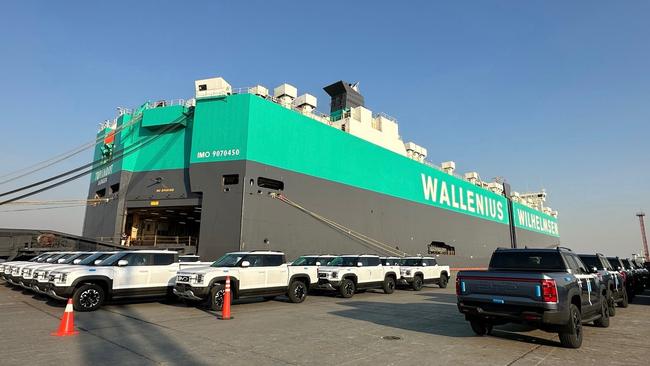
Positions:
{"x": 60, "y": 261}
{"x": 359, "y": 264}
{"x": 97, "y": 262}
{"x": 245, "y": 264}
{"x": 594, "y": 270}
{"x": 424, "y": 264}
{"x": 318, "y": 263}
{"x": 122, "y": 263}
{"x": 76, "y": 261}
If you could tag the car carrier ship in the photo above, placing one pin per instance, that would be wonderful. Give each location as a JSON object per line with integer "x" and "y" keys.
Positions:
{"x": 242, "y": 169}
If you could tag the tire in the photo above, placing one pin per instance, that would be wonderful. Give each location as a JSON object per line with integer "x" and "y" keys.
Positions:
{"x": 215, "y": 302}
{"x": 389, "y": 285}
{"x": 444, "y": 280}
{"x": 571, "y": 336}
{"x": 347, "y": 288}
{"x": 625, "y": 303}
{"x": 297, "y": 291}
{"x": 603, "y": 321}
{"x": 417, "y": 283}
{"x": 611, "y": 305}
{"x": 480, "y": 327}
{"x": 88, "y": 297}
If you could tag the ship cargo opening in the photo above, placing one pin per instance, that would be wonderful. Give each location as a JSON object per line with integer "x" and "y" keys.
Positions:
{"x": 163, "y": 226}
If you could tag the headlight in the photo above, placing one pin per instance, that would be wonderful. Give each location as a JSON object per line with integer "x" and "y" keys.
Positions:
{"x": 59, "y": 277}
{"x": 199, "y": 278}
{"x": 335, "y": 274}
{"x": 27, "y": 272}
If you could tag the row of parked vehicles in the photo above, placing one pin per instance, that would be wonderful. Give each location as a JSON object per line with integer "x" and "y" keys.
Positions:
{"x": 555, "y": 290}
{"x": 92, "y": 278}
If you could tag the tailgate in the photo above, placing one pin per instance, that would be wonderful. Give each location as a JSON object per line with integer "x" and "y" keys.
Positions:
{"x": 500, "y": 286}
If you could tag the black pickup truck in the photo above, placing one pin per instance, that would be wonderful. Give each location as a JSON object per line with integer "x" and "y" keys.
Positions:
{"x": 550, "y": 289}
{"x": 613, "y": 280}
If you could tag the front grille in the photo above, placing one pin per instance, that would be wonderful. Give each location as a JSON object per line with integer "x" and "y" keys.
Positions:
{"x": 182, "y": 287}
{"x": 183, "y": 279}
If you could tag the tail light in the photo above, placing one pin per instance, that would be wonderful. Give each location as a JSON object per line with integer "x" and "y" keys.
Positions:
{"x": 624, "y": 275}
{"x": 457, "y": 285}
{"x": 549, "y": 291}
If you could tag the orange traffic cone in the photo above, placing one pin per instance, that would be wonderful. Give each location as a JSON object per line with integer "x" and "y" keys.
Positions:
{"x": 225, "y": 309}
{"x": 66, "y": 328}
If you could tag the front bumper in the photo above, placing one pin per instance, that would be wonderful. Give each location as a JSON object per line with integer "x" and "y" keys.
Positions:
{"x": 328, "y": 284}
{"x": 27, "y": 283}
{"x": 405, "y": 280}
{"x": 59, "y": 292}
{"x": 186, "y": 291}
{"x": 536, "y": 316}
{"x": 41, "y": 287}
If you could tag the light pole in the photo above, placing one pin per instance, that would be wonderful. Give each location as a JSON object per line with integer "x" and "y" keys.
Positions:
{"x": 641, "y": 216}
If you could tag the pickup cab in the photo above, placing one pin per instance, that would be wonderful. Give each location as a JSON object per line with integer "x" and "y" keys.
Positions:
{"x": 5, "y": 267}
{"x": 550, "y": 289}
{"x": 126, "y": 274}
{"x": 40, "y": 275}
{"x": 21, "y": 273}
{"x": 417, "y": 271}
{"x": 349, "y": 273}
{"x": 613, "y": 280}
{"x": 254, "y": 273}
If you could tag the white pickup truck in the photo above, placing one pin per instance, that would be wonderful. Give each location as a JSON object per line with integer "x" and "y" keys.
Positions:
{"x": 417, "y": 271}
{"x": 349, "y": 273}
{"x": 255, "y": 273}
{"x": 127, "y": 274}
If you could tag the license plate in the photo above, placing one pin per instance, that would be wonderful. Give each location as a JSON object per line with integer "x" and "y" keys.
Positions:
{"x": 184, "y": 278}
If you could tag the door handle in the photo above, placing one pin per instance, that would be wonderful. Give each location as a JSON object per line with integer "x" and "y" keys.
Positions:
{"x": 143, "y": 271}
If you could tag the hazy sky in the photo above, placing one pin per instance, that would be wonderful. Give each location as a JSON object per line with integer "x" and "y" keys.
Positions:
{"x": 551, "y": 95}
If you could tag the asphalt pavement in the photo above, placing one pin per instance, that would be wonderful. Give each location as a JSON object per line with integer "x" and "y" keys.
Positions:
{"x": 405, "y": 328}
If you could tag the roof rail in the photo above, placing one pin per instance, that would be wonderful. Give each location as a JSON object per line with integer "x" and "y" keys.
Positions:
{"x": 265, "y": 250}
{"x": 564, "y": 248}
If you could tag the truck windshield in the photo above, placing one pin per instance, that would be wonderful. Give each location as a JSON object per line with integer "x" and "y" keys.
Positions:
{"x": 527, "y": 261}
{"x": 626, "y": 264}
{"x": 113, "y": 259}
{"x": 305, "y": 261}
{"x": 591, "y": 261}
{"x": 228, "y": 260}
{"x": 344, "y": 262}
{"x": 411, "y": 262}
{"x": 90, "y": 260}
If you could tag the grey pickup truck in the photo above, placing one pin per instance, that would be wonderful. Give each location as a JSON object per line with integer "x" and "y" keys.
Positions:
{"x": 550, "y": 289}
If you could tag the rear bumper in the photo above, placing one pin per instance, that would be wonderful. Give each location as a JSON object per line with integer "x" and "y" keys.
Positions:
{"x": 536, "y": 316}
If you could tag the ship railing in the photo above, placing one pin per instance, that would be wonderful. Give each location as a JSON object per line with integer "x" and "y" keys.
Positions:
{"x": 384, "y": 115}
{"x": 166, "y": 103}
{"x": 163, "y": 241}
{"x": 316, "y": 114}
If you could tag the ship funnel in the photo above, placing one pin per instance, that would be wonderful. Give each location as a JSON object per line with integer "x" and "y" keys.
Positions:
{"x": 344, "y": 96}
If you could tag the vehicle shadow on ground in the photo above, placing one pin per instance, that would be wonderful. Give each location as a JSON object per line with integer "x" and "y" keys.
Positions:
{"x": 641, "y": 298}
{"x": 437, "y": 318}
{"x": 135, "y": 337}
